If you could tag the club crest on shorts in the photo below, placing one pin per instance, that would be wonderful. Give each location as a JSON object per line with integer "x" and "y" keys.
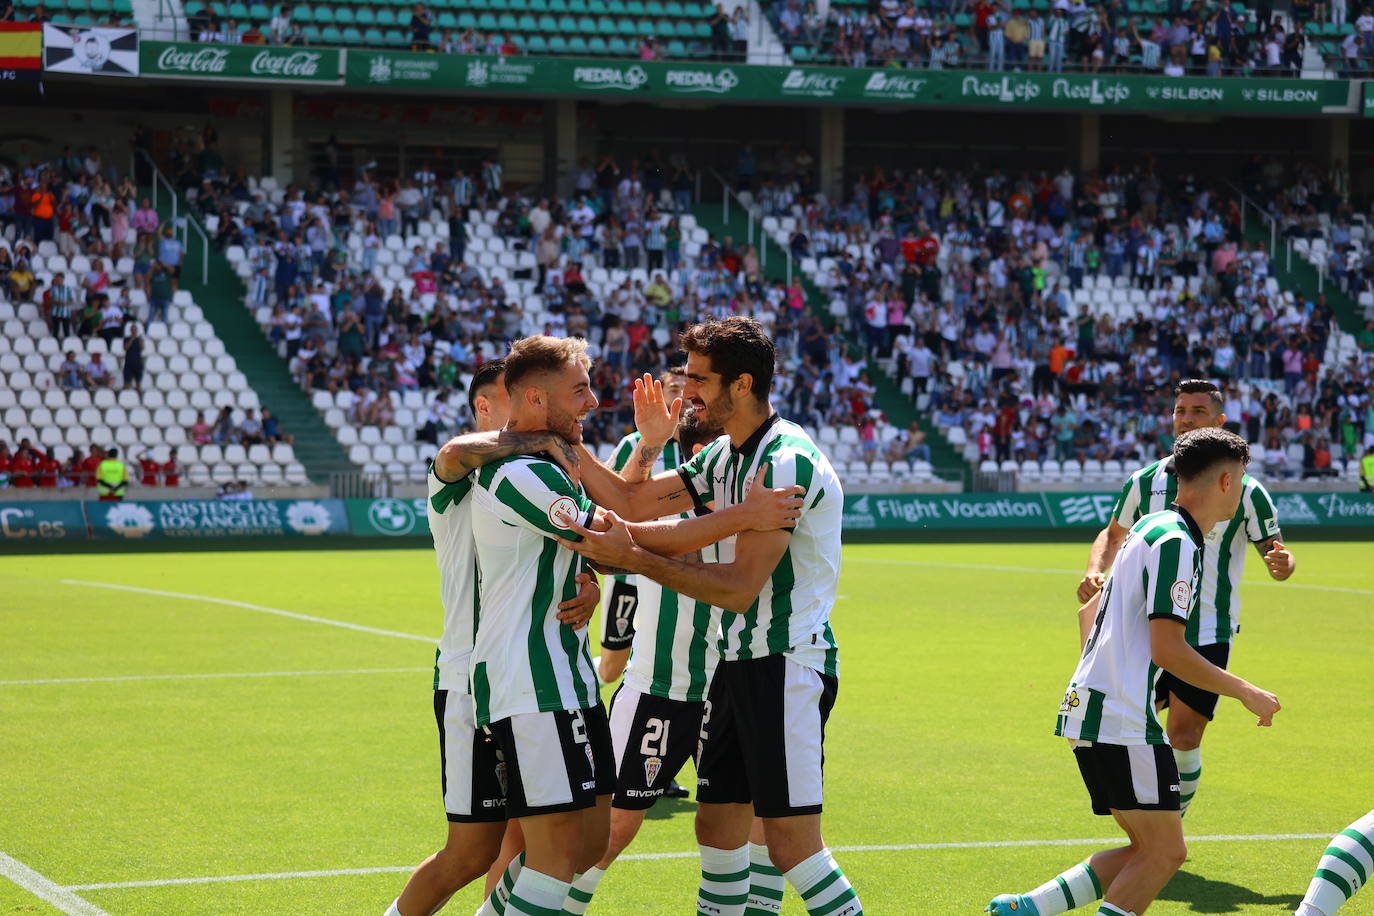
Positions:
{"x": 501, "y": 776}
{"x": 652, "y": 765}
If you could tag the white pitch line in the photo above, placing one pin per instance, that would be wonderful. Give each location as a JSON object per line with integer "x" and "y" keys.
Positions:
{"x": 1079, "y": 572}
{"x": 179, "y": 677}
{"x": 655, "y": 856}
{"x": 252, "y": 607}
{"x": 61, "y": 897}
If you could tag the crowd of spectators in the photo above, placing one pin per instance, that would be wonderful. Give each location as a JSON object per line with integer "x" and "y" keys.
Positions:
{"x": 30, "y": 465}
{"x": 970, "y": 283}
{"x": 1200, "y": 38}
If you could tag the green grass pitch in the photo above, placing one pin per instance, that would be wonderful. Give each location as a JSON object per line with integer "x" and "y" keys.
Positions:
{"x": 954, "y": 660}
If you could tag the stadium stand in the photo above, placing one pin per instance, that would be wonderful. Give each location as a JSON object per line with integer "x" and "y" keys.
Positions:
{"x": 89, "y": 360}
{"x": 643, "y": 29}
{"x": 1056, "y": 313}
{"x": 384, "y": 330}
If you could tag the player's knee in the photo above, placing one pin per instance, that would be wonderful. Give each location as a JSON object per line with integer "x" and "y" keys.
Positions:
{"x": 1168, "y": 855}
{"x": 456, "y": 867}
{"x": 1185, "y": 737}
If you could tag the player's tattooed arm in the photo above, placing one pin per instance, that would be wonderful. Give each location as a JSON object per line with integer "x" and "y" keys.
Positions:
{"x": 1277, "y": 559}
{"x": 640, "y": 467}
{"x": 464, "y": 454}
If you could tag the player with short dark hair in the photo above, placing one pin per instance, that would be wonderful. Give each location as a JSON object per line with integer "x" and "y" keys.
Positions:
{"x": 1133, "y": 630}
{"x": 1216, "y": 622}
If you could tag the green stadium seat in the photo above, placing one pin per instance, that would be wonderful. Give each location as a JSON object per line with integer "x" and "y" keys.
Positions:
{"x": 498, "y": 6}
{"x": 352, "y": 36}
{"x": 467, "y": 21}
{"x": 386, "y": 17}
{"x": 634, "y": 8}
{"x": 331, "y": 34}
{"x": 312, "y": 33}
{"x": 597, "y": 45}
{"x": 567, "y": 24}
{"x": 486, "y": 22}
{"x": 396, "y": 38}
{"x": 344, "y": 15}
{"x": 625, "y": 27}
{"x": 677, "y": 49}
{"x": 587, "y": 26}
{"x": 673, "y": 8}
{"x": 125, "y": 8}
{"x": 605, "y": 26}
{"x": 374, "y": 37}
{"x": 302, "y": 14}
{"x": 506, "y": 22}
{"x": 962, "y": 20}
{"x": 365, "y": 16}
{"x": 702, "y": 30}
{"x": 558, "y": 45}
{"x": 236, "y": 10}
{"x": 558, "y": 6}
{"x": 536, "y": 44}
{"x": 548, "y": 25}
{"x": 683, "y": 29}
{"x": 258, "y": 11}
{"x": 539, "y": 6}
{"x": 446, "y": 20}
{"x": 619, "y": 47}
{"x": 220, "y": 10}
{"x": 578, "y": 7}
{"x": 192, "y": 9}
{"x": 577, "y": 45}
{"x": 663, "y": 28}
{"x": 106, "y": 7}
{"x": 519, "y": 6}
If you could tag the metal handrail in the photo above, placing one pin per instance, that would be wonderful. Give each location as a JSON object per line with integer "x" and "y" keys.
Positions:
{"x": 729, "y": 193}
{"x": 184, "y": 224}
{"x": 1273, "y": 222}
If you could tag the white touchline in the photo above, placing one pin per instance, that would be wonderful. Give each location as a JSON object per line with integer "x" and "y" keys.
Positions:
{"x": 652, "y": 856}
{"x": 1079, "y": 572}
{"x": 252, "y": 607}
{"x": 61, "y": 897}
{"x": 180, "y": 677}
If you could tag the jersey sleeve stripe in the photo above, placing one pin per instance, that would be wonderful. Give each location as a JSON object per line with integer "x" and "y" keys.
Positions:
{"x": 509, "y": 494}
{"x": 450, "y": 493}
{"x": 568, "y": 638}
{"x": 1167, "y": 572}
{"x": 541, "y": 663}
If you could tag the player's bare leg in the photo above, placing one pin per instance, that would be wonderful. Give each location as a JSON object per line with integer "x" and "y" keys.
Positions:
{"x": 553, "y": 847}
{"x": 1157, "y": 838}
{"x": 512, "y": 844}
{"x": 466, "y": 856}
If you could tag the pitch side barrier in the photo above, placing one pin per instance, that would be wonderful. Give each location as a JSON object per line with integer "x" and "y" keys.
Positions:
{"x": 277, "y": 524}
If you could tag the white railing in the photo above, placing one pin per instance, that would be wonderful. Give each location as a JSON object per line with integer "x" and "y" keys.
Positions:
{"x": 1246, "y": 205}
{"x": 727, "y": 195}
{"x": 181, "y": 224}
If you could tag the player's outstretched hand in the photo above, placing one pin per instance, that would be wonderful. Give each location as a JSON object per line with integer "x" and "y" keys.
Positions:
{"x": 575, "y": 612}
{"x": 771, "y": 508}
{"x": 611, "y": 549}
{"x": 1263, "y": 704}
{"x": 565, "y": 455}
{"x": 1089, "y": 585}
{"x": 655, "y": 420}
{"x": 1279, "y": 561}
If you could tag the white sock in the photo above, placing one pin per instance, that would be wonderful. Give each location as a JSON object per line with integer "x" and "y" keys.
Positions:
{"x": 1106, "y": 909}
{"x": 766, "y": 884}
{"x": 394, "y": 909}
{"x": 1343, "y": 869}
{"x": 580, "y": 894}
{"x": 822, "y": 884}
{"x": 495, "y": 905}
{"x": 1189, "y": 775}
{"x": 536, "y": 894}
{"x": 724, "y": 881}
{"x": 1074, "y": 888}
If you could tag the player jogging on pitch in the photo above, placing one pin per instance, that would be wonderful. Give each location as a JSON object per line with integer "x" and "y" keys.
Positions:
{"x": 1216, "y": 620}
{"x": 1133, "y": 629}
{"x": 763, "y": 734}
{"x": 474, "y": 798}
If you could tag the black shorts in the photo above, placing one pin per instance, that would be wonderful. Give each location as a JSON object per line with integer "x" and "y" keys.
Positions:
{"x": 555, "y": 761}
{"x": 1137, "y": 777}
{"x": 1194, "y": 698}
{"x": 618, "y": 615}
{"x": 472, "y": 772}
{"x": 763, "y": 736}
{"x": 653, "y": 738}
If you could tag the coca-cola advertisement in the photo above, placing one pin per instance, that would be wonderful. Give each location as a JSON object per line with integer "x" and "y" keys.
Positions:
{"x": 245, "y": 62}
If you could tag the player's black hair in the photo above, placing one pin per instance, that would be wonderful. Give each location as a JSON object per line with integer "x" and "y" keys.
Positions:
{"x": 486, "y": 375}
{"x": 691, "y": 432}
{"x": 735, "y": 346}
{"x": 1200, "y": 450}
{"x": 1200, "y": 386}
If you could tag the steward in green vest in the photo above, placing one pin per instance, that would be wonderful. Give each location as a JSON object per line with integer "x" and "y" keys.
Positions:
{"x": 111, "y": 478}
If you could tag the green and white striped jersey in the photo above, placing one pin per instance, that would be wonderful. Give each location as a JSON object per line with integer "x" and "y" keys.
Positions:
{"x": 1153, "y": 489}
{"x": 1111, "y": 695}
{"x": 523, "y": 659}
{"x": 450, "y": 521}
{"x": 673, "y": 655}
{"x": 792, "y": 613}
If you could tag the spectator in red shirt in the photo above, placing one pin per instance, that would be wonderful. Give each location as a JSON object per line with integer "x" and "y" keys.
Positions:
{"x": 6, "y": 461}
{"x": 22, "y": 467}
{"x": 171, "y": 473}
{"x": 148, "y": 468}
{"x": 90, "y": 465}
{"x": 48, "y": 469}
{"x": 981, "y": 11}
{"x": 927, "y": 247}
{"x": 71, "y": 471}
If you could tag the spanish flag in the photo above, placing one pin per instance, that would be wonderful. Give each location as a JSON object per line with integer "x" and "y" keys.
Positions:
{"x": 21, "y": 46}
